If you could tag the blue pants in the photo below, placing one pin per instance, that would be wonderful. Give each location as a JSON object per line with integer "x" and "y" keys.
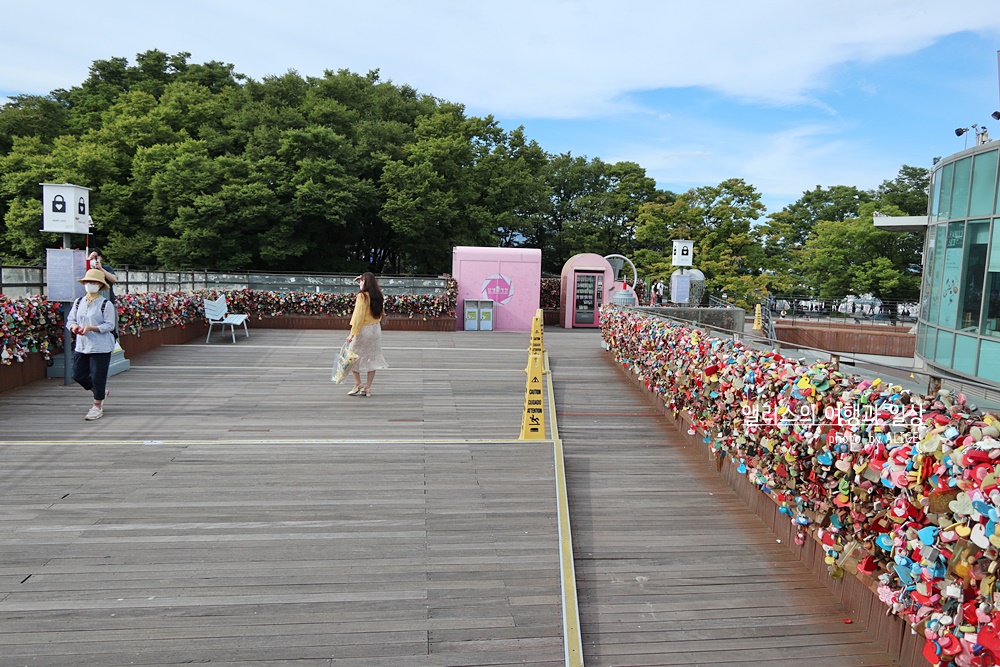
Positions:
{"x": 90, "y": 371}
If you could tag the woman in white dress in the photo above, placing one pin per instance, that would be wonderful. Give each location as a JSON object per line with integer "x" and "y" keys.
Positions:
{"x": 366, "y": 333}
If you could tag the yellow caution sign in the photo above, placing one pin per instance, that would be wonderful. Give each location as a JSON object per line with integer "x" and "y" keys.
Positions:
{"x": 537, "y": 344}
{"x": 533, "y": 421}
{"x": 758, "y": 320}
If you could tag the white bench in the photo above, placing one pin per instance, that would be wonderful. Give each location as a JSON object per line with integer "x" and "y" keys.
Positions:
{"x": 217, "y": 312}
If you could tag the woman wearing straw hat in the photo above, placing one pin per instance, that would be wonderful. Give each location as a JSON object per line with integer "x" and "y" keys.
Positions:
{"x": 92, "y": 318}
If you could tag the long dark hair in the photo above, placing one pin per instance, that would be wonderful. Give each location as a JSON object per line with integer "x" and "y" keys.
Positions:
{"x": 369, "y": 286}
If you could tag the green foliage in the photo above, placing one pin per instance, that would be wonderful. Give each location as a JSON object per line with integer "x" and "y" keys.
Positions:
{"x": 719, "y": 220}
{"x": 852, "y": 256}
{"x": 196, "y": 166}
{"x": 908, "y": 191}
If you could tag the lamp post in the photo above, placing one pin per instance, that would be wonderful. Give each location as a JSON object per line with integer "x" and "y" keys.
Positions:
{"x": 965, "y": 130}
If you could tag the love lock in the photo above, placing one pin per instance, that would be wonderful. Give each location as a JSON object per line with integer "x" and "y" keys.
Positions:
{"x": 58, "y": 204}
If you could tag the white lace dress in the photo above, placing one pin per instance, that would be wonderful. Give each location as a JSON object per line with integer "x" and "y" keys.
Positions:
{"x": 368, "y": 346}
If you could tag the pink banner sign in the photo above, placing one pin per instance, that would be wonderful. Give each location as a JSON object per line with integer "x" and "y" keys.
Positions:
{"x": 499, "y": 288}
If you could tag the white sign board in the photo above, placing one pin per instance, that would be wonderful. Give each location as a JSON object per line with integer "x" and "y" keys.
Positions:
{"x": 65, "y": 208}
{"x": 63, "y": 268}
{"x": 683, "y": 253}
{"x": 680, "y": 288}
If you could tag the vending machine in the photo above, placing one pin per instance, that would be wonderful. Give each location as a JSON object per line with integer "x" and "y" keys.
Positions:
{"x": 587, "y": 281}
{"x": 588, "y": 292}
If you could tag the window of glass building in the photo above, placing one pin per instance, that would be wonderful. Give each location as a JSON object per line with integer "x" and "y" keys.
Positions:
{"x": 931, "y": 343}
{"x": 944, "y": 201}
{"x": 965, "y": 354}
{"x": 926, "y": 282}
{"x": 984, "y": 179}
{"x": 977, "y": 238}
{"x": 923, "y": 333}
{"x": 934, "y": 196}
{"x": 942, "y": 352}
{"x": 941, "y": 236}
{"x": 991, "y": 327}
{"x": 989, "y": 361}
{"x": 960, "y": 189}
{"x": 951, "y": 277}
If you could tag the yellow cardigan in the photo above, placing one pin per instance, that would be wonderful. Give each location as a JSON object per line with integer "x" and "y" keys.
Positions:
{"x": 362, "y": 316}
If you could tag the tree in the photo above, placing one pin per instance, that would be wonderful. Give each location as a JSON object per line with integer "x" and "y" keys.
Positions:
{"x": 609, "y": 212}
{"x": 852, "y": 256}
{"x": 568, "y": 181}
{"x": 908, "y": 192}
{"x": 719, "y": 220}
{"x": 31, "y": 116}
{"x": 425, "y": 192}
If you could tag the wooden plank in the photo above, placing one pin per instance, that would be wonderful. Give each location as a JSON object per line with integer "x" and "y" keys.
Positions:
{"x": 267, "y": 552}
{"x": 234, "y": 506}
{"x": 673, "y": 567}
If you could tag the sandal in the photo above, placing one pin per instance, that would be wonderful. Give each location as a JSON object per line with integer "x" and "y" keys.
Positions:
{"x": 355, "y": 391}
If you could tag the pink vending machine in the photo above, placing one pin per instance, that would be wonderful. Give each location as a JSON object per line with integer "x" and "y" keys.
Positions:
{"x": 509, "y": 277}
{"x": 586, "y": 284}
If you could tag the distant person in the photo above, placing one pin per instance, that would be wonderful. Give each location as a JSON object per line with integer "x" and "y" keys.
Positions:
{"x": 92, "y": 318}
{"x": 366, "y": 333}
{"x": 659, "y": 292}
{"x": 95, "y": 261}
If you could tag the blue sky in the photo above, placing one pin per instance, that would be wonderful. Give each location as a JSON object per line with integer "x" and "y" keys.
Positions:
{"x": 784, "y": 94}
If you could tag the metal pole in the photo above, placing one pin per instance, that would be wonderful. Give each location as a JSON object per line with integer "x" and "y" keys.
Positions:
{"x": 67, "y": 345}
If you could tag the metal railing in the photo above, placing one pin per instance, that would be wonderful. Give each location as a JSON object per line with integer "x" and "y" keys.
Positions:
{"x": 716, "y": 302}
{"x": 795, "y": 309}
{"x": 21, "y": 281}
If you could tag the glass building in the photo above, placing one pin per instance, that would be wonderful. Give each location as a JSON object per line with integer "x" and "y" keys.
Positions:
{"x": 959, "y": 325}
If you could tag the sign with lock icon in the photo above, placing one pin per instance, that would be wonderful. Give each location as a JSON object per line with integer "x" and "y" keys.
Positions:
{"x": 683, "y": 253}
{"x": 58, "y": 212}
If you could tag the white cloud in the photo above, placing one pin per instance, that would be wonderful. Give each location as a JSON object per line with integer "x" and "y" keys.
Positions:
{"x": 561, "y": 59}
{"x": 529, "y": 58}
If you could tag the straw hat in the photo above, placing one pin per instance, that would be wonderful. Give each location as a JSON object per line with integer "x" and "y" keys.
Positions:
{"x": 95, "y": 276}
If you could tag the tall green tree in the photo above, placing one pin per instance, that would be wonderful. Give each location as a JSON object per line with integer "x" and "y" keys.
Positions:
{"x": 610, "y": 211}
{"x": 427, "y": 190}
{"x": 727, "y": 249}
{"x": 908, "y": 192}
{"x": 568, "y": 182}
{"x": 853, "y": 256}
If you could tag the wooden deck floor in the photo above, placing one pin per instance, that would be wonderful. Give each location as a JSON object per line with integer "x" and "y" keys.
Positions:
{"x": 235, "y": 507}
{"x": 671, "y": 567}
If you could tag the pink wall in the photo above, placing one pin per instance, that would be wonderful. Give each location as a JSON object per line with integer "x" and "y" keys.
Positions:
{"x": 512, "y": 277}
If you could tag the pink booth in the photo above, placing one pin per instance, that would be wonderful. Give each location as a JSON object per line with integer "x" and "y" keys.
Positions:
{"x": 587, "y": 283}
{"x": 509, "y": 277}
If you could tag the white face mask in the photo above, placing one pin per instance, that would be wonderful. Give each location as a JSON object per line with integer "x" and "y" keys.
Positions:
{"x": 92, "y": 288}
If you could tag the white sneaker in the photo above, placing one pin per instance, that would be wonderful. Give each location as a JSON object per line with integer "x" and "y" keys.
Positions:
{"x": 94, "y": 413}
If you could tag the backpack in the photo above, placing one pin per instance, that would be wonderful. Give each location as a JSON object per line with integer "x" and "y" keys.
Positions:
{"x": 114, "y": 332}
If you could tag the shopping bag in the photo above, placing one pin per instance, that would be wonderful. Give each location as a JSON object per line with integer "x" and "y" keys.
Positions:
{"x": 343, "y": 364}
